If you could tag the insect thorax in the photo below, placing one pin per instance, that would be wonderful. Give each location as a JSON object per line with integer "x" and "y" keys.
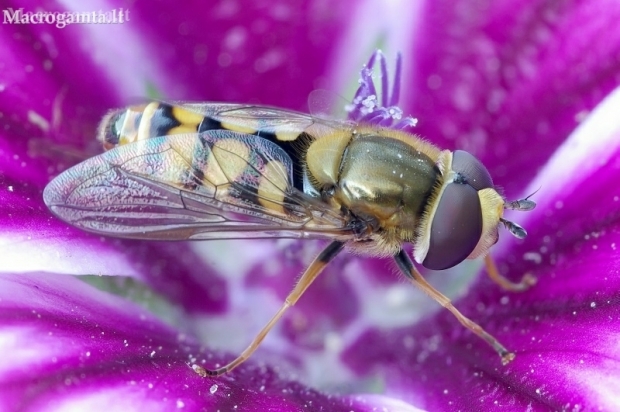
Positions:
{"x": 384, "y": 182}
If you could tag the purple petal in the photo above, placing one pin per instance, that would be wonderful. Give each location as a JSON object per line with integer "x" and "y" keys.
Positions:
{"x": 579, "y": 196}
{"x": 498, "y": 79}
{"x": 74, "y": 347}
{"x": 32, "y": 240}
{"x": 245, "y": 53}
{"x": 63, "y": 334}
{"x": 306, "y": 324}
{"x": 205, "y": 50}
{"x": 51, "y": 86}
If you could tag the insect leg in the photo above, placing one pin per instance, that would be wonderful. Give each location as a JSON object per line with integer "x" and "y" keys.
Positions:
{"x": 306, "y": 279}
{"x": 406, "y": 266}
{"x": 526, "y": 282}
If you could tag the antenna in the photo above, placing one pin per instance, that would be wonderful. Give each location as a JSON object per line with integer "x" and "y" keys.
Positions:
{"x": 515, "y": 229}
{"x": 522, "y": 205}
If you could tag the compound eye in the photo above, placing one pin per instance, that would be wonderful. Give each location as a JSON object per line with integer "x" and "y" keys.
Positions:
{"x": 456, "y": 227}
{"x": 471, "y": 169}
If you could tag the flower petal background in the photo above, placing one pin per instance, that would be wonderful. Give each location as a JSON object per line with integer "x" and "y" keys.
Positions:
{"x": 93, "y": 351}
{"x": 494, "y": 77}
{"x": 495, "y": 80}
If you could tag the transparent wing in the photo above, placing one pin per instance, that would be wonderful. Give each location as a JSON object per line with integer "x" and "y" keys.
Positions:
{"x": 285, "y": 124}
{"x": 216, "y": 184}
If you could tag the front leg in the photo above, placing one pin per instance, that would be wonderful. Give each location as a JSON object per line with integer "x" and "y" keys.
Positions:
{"x": 406, "y": 266}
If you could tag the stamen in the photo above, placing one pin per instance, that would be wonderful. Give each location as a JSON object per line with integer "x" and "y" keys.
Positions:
{"x": 406, "y": 123}
{"x": 397, "y": 74}
{"x": 381, "y": 110}
{"x": 367, "y": 73}
{"x": 384, "y": 80}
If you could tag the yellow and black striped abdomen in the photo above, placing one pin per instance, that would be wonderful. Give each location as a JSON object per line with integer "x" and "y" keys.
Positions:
{"x": 289, "y": 130}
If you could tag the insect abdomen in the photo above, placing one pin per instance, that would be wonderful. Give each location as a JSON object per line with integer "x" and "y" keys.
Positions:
{"x": 163, "y": 119}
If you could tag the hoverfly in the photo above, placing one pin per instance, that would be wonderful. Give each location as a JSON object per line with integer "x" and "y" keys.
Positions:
{"x": 197, "y": 171}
